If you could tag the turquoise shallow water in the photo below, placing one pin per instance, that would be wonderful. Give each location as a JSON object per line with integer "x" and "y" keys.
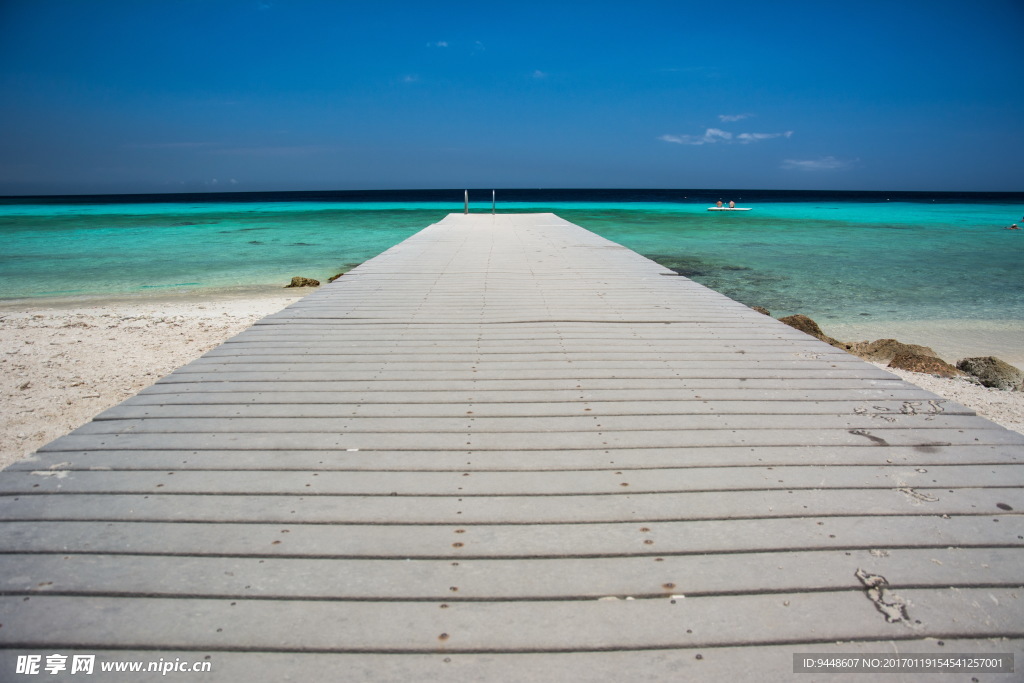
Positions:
{"x": 832, "y": 260}
{"x": 135, "y": 248}
{"x": 842, "y": 261}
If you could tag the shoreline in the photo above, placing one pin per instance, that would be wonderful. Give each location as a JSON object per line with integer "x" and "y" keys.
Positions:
{"x": 951, "y": 339}
{"x": 155, "y": 297}
{"x": 65, "y": 361}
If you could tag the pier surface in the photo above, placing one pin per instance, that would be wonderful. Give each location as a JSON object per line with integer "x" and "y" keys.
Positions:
{"x": 509, "y": 449}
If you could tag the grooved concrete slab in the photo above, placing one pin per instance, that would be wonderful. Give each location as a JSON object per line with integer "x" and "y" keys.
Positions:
{"x": 508, "y": 449}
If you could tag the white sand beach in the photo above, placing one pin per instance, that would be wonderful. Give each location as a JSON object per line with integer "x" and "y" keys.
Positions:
{"x": 63, "y": 364}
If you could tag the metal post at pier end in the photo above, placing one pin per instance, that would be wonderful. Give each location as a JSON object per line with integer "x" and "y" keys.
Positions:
{"x": 492, "y": 202}
{"x": 465, "y": 208}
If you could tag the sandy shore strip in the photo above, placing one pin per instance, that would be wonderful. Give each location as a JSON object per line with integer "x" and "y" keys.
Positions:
{"x": 60, "y": 366}
{"x": 65, "y": 362}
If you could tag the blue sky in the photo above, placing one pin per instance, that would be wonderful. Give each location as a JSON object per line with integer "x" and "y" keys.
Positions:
{"x": 245, "y": 95}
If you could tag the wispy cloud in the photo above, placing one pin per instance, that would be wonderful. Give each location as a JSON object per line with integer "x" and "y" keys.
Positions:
{"x": 172, "y": 145}
{"x": 440, "y": 43}
{"x": 729, "y": 118}
{"x": 539, "y": 74}
{"x": 745, "y": 138}
{"x": 276, "y": 150}
{"x": 410, "y": 78}
{"x": 828, "y": 163}
{"x": 711, "y": 136}
{"x": 716, "y": 135}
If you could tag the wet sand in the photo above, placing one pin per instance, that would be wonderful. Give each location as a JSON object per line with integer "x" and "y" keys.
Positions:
{"x": 952, "y": 340}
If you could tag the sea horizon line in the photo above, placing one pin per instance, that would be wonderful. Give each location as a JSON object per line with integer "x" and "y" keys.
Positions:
{"x": 512, "y": 194}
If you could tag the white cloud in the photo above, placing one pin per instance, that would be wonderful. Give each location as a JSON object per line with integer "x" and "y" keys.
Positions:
{"x": 729, "y": 118}
{"x": 539, "y": 74}
{"x": 410, "y": 78}
{"x": 440, "y": 43}
{"x": 714, "y": 135}
{"x": 757, "y": 137}
{"x": 678, "y": 139}
{"x": 828, "y": 163}
{"x": 711, "y": 135}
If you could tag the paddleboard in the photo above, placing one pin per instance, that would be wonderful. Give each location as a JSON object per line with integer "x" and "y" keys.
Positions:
{"x": 726, "y": 208}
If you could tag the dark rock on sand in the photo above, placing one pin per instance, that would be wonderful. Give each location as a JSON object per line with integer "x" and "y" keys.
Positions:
{"x": 808, "y": 326}
{"x": 992, "y": 372}
{"x": 916, "y": 362}
{"x": 763, "y": 311}
{"x": 884, "y": 350}
{"x": 303, "y": 282}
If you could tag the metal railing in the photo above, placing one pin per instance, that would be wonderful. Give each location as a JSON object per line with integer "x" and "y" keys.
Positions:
{"x": 465, "y": 200}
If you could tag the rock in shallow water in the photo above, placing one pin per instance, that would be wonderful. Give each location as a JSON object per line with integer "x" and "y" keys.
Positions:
{"x": 992, "y": 372}
{"x": 808, "y": 326}
{"x": 916, "y": 362}
{"x": 303, "y": 282}
{"x": 884, "y": 350}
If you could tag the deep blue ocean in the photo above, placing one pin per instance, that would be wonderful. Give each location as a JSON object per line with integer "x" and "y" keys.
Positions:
{"x": 839, "y": 256}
